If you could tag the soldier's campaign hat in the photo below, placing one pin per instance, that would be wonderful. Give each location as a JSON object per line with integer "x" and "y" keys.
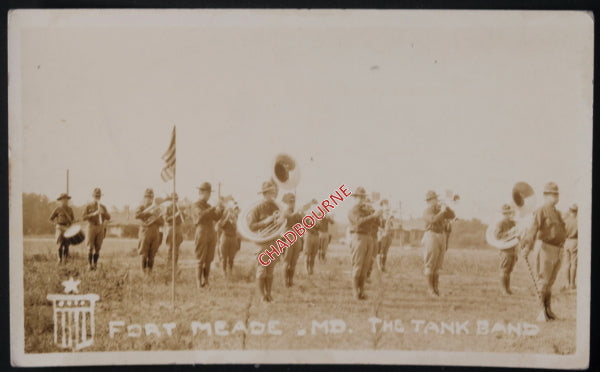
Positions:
{"x": 551, "y": 188}
{"x": 573, "y": 207}
{"x": 149, "y": 193}
{"x": 62, "y": 196}
{"x": 97, "y": 192}
{"x": 174, "y": 195}
{"x": 384, "y": 201}
{"x": 288, "y": 198}
{"x": 430, "y": 195}
{"x": 507, "y": 208}
{"x": 267, "y": 186}
{"x": 205, "y": 187}
{"x": 360, "y": 191}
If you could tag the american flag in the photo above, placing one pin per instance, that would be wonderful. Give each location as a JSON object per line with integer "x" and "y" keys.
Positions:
{"x": 168, "y": 172}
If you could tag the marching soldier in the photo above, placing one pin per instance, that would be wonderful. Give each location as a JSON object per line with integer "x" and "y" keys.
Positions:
{"x": 386, "y": 225}
{"x": 324, "y": 237}
{"x": 546, "y": 237}
{"x": 508, "y": 257}
{"x": 149, "y": 235}
{"x": 261, "y": 216}
{"x": 571, "y": 246}
{"x": 374, "y": 231}
{"x": 435, "y": 240}
{"x": 229, "y": 243}
{"x": 311, "y": 247}
{"x": 362, "y": 242}
{"x": 62, "y": 217}
{"x": 96, "y": 215}
{"x": 293, "y": 252}
{"x": 179, "y": 218}
{"x": 205, "y": 239}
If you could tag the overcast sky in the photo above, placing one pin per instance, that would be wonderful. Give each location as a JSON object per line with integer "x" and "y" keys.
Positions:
{"x": 398, "y": 102}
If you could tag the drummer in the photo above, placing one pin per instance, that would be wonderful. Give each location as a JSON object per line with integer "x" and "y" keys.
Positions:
{"x": 96, "y": 215}
{"x": 62, "y": 217}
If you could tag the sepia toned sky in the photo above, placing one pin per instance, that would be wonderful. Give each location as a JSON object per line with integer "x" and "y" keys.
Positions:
{"x": 398, "y": 102}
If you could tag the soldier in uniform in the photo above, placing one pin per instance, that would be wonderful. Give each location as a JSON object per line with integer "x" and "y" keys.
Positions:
{"x": 571, "y": 246}
{"x": 324, "y": 237}
{"x": 374, "y": 226}
{"x": 292, "y": 253}
{"x": 311, "y": 247}
{"x": 62, "y": 217}
{"x": 546, "y": 237}
{"x": 173, "y": 252}
{"x": 435, "y": 239}
{"x": 96, "y": 215}
{"x": 508, "y": 257}
{"x": 384, "y": 241}
{"x": 362, "y": 242}
{"x": 261, "y": 216}
{"x": 229, "y": 243}
{"x": 149, "y": 234}
{"x": 205, "y": 217}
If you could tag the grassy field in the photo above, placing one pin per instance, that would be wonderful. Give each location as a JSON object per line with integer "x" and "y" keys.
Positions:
{"x": 468, "y": 282}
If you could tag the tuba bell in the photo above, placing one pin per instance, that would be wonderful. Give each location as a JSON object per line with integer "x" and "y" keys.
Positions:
{"x": 523, "y": 198}
{"x": 285, "y": 176}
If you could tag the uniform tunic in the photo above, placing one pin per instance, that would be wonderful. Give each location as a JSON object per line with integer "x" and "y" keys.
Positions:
{"x": 149, "y": 234}
{"x": 261, "y": 211}
{"x": 362, "y": 242}
{"x": 508, "y": 257}
{"x": 434, "y": 239}
{"x": 62, "y": 217}
{"x": 168, "y": 216}
{"x": 205, "y": 239}
{"x": 96, "y": 230}
{"x": 547, "y": 234}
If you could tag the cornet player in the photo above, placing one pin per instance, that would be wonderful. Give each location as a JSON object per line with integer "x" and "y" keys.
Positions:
{"x": 228, "y": 242}
{"x": 508, "y": 257}
{"x": 546, "y": 236}
{"x": 96, "y": 215}
{"x": 179, "y": 218}
{"x": 435, "y": 240}
{"x": 149, "y": 237}
{"x": 362, "y": 243}
{"x": 205, "y": 239}
{"x": 384, "y": 237}
{"x": 261, "y": 216}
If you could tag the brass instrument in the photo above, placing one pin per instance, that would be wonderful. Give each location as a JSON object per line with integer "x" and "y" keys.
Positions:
{"x": 523, "y": 198}
{"x": 286, "y": 175}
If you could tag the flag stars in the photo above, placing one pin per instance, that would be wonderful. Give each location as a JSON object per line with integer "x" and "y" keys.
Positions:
{"x": 71, "y": 285}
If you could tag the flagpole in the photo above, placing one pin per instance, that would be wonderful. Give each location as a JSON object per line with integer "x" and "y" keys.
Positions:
{"x": 173, "y": 206}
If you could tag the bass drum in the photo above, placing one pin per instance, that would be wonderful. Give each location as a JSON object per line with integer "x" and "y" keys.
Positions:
{"x": 74, "y": 235}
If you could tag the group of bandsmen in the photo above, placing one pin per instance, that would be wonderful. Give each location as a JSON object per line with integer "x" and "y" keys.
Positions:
{"x": 549, "y": 237}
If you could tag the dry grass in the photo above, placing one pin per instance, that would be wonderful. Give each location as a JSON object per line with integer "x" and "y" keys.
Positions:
{"x": 469, "y": 285}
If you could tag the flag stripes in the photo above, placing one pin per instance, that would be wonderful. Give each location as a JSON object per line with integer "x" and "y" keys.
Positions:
{"x": 168, "y": 172}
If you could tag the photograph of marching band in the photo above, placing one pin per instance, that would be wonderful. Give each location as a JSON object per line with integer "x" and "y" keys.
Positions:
{"x": 300, "y": 186}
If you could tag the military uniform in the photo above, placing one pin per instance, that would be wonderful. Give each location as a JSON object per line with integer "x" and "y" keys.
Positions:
{"x": 373, "y": 227}
{"x": 435, "y": 240}
{"x": 384, "y": 241}
{"x": 324, "y": 237}
{"x": 96, "y": 227}
{"x": 571, "y": 247}
{"x": 255, "y": 218}
{"x": 362, "y": 242}
{"x": 149, "y": 233}
{"x": 311, "y": 247}
{"x": 508, "y": 257}
{"x": 173, "y": 252}
{"x": 205, "y": 239}
{"x": 547, "y": 236}
{"x": 229, "y": 243}
{"x": 62, "y": 217}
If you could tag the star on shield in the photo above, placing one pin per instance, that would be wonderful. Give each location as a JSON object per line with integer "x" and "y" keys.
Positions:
{"x": 71, "y": 285}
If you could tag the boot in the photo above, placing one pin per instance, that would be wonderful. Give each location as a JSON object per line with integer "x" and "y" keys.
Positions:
{"x": 96, "y": 255}
{"x": 505, "y": 280}
{"x": 206, "y": 272}
{"x": 260, "y": 283}
{"x": 436, "y": 282}
{"x": 544, "y": 316}
{"x": 91, "y": 261}
{"x": 286, "y": 274}
{"x": 547, "y": 305}
{"x": 572, "y": 277}
{"x": 431, "y": 285}
{"x": 199, "y": 277}
{"x": 268, "y": 287}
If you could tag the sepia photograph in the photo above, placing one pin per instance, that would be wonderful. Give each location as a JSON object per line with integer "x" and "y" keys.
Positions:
{"x": 399, "y": 187}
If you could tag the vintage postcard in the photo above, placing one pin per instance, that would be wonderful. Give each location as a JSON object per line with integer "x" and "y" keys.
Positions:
{"x": 300, "y": 186}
